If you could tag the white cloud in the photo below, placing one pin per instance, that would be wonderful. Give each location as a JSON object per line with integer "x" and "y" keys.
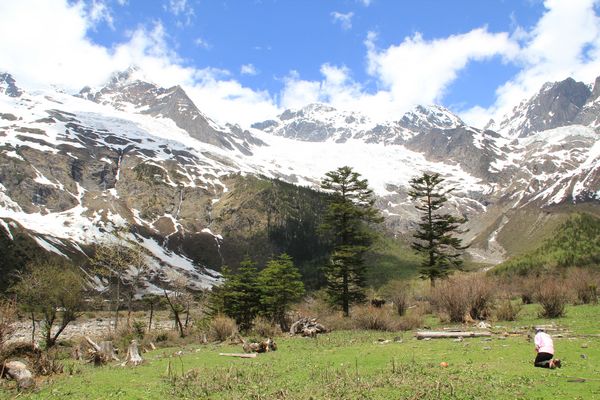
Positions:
{"x": 99, "y": 11}
{"x": 365, "y": 3}
{"x": 345, "y": 20}
{"x": 248, "y": 69}
{"x": 564, "y": 43}
{"x": 57, "y": 51}
{"x": 200, "y": 42}
{"x": 417, "y": 71}
{"x": 180, "y": 8}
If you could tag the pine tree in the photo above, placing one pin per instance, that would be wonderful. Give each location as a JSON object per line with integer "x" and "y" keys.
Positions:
{"x": 280, "y": 286}
{"x": 434, "y": 238}
{"x": 350, "y": 210}
{"x": 240, "y": 294}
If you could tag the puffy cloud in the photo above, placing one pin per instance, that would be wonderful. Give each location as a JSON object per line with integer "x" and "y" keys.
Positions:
{"x": 57, "y": 51}
{"x": 248, "y": 69}
{"x": 345, "y": 20}
{"x": 417, "y": 71}
{"x": 564, "y": 43}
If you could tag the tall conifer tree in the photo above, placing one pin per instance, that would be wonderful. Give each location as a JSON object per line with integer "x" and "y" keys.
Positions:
{"x": 350, "y": 210}
{"x": 434, "y": 238}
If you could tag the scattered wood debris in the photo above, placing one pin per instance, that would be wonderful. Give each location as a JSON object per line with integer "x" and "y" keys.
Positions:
{"x": 439, "y": 335}
{"x": 308, "y": 327}
{"x": 240, "y": 355}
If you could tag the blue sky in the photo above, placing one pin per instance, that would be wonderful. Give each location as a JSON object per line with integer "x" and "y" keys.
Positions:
{"x": 248, "y": 60}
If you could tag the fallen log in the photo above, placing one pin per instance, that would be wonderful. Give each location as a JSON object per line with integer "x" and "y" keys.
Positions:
{"x": 18, "y": 371}
{"x": 442, "y": 335}
{"x": 240, "y": 355}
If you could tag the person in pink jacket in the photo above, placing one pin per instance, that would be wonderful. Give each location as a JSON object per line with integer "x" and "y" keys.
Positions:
{"x": 544, "y": 347}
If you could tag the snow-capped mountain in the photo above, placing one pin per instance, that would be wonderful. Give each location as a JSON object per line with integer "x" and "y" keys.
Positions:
{"x": 72, "y": 168}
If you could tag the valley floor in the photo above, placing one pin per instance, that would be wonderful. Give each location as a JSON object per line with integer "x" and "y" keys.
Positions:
{"x": 358, "y": 365}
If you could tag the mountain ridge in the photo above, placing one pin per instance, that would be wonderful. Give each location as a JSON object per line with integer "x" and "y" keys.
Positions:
{"x": 74, "y": 168}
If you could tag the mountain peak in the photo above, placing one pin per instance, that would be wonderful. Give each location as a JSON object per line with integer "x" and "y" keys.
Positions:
{"x": 8, "y": 85}
{"x": 556, "y": 104}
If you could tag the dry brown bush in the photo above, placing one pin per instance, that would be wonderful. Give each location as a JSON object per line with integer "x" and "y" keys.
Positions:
{"x": 584, "y": 284}
{"x": 452, "y": 298}
{"x": 553, "y": 295}
{"x": 262, "y": 327}
{"x": 481, "y": 291}
{"x": 374, "y": 318}
{"x": 411, "y": 320}
{"x": 399, "y": 292}
{"x": 507, "y": 310}
{"x": 527, "y": 287}
{"x": 222, "y": 327}
{"x": 464, "y": 296}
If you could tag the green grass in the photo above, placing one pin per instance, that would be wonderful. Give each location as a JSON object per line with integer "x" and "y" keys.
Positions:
{"x": 353, "y": 365}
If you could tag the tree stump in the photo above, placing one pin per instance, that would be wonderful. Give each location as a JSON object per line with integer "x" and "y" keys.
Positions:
{"x": 18, "y": 371}
{"x": 103, "y": 353}
{"x": 133, "y": 354}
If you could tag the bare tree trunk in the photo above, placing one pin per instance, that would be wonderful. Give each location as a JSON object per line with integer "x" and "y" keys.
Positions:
{"x": 118, "y": 303}
{"x": 32, "y": 327}
{"x": 129, "y": 301}
{"x": 175, "y": 314}
{"x": 151, "y": 314}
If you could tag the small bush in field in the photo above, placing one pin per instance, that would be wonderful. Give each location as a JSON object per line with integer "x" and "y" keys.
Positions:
{"x": 139, "y": 329}
{"x": 508, "y": 311}
{"x": 162, "y": 337}
{"x": 528, "y": 286}
{"x": 222, "y": 327}
{"x": 373, "y": 318}
{"x": 263, "y": 328}
{"x": 584, "y": 284}
{"x": 481, "y": 292}
{"x": 399, "y": 293}
{"x": 553, "y": 296}
{"x": 452, "y": 298}
{"x": 411, "y": 320}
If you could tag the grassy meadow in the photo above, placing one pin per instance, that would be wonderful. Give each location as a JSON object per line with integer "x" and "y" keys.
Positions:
{"x": 356, "y": 365}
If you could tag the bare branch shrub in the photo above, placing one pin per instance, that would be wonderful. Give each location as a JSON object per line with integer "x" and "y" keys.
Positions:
{"x": 373, "y": 318}
{"x": 222, "y": 327}
{"x": 399, "y": 292}
{"x": 451, "y": 296}
{"x": 506, "y": 310}
{"x": 411, "y": 320}
{"x": 262, "y": 327}
{"x": 584, "y": 284}
{"x": 553, "y": 295}
{"x": 481, "y": 293}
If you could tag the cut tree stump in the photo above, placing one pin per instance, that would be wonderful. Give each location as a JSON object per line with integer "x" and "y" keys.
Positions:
{"x": 103, "y": 353}
{"x": 133, "y": 355}
{"x": 18, "y": 371}
{"x": 442, "y": 335}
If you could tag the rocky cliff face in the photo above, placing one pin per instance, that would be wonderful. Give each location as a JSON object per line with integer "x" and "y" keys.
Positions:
{"x": 557, "y": 104}
{"x": 198, "y": 195}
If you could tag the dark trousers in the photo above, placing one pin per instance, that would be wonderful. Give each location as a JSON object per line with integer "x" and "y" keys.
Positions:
{"x": 542, "y": 360}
